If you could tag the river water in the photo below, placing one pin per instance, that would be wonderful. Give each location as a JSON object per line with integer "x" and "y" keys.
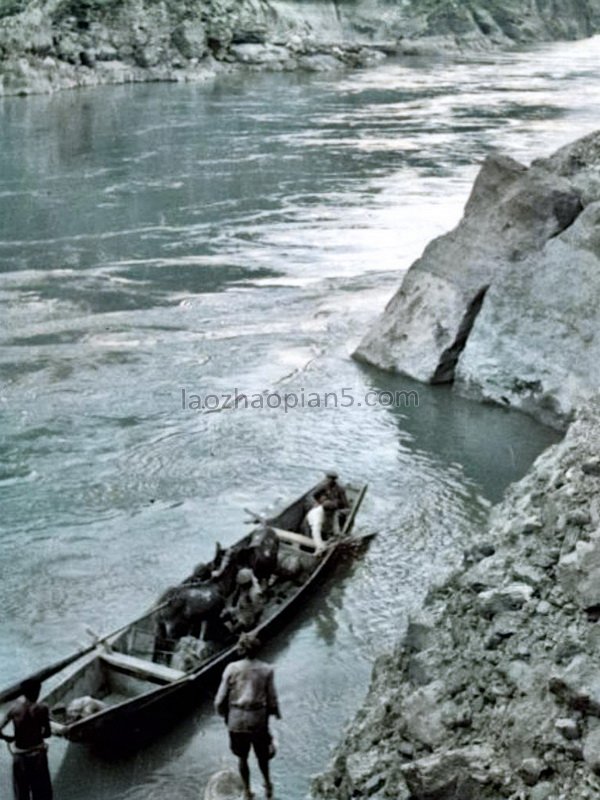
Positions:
{"x": 241, "y": 235}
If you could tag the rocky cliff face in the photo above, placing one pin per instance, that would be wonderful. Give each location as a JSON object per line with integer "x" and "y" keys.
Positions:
{"x": 506, "y": 304}
{"x": 495, "y": 690}
{"x": 51, "y": 44}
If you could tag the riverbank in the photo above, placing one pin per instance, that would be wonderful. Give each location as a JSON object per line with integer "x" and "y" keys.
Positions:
{"x": 47, "y": 45}
{"x": 494, "y": 690}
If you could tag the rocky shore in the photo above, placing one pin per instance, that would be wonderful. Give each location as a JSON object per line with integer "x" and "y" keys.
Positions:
{"x": 506, "y": 306}
{"x": 47, "y": 45}
{"x": 495, "y": 689}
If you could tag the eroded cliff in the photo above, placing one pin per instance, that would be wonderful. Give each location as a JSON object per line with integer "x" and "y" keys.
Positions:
{"x": 506, "y": 304}
{"x": 52, "y": 44}
{"x": 494, "y": 691}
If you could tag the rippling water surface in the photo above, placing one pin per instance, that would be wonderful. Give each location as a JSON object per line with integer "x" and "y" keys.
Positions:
{"x": 241, "y": 235}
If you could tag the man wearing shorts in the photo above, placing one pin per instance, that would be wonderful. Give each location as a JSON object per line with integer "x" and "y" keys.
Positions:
{"x": 247, "y": 698}
{"x": 31, "y": 723}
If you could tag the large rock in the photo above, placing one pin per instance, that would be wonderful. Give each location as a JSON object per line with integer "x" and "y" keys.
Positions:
{"x": 591, "y": 750}
{"x": 261, "y": 54}
{"x": 462, "y": 773}
{"x": 579, "y": 572}
{"x": 507, "y": 598}
{"x": 422, "y": 715}
{"x": 507, "y": 304}
{"x": 535, "y": 345}
{"x": 579, "y": 685}
{"x": 512, "y": 212}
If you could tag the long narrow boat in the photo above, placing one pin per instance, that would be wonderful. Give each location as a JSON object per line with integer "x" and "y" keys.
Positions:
{"x": 122, "y": 687}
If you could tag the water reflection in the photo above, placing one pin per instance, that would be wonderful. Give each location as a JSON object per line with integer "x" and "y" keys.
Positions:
{"x": 329, "y": 600}
{"x": 463, "y": 434}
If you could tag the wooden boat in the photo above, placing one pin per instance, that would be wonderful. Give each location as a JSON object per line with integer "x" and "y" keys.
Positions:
{"x": 121, "y": 682}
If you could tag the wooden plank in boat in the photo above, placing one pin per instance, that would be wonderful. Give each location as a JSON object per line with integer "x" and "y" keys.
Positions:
{"x": 295, "y": 538}
{"x": 144, "y": 669}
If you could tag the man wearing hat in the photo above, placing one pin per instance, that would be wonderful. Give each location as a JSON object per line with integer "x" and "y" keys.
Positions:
{"x": 246, "y": 698}
{"x": 335, "y": 495}
{"x": 247, "y": 604}
{"x": 327, "y": 503}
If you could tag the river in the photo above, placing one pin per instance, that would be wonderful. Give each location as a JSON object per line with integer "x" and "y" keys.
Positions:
{"x": 165, "y": 242}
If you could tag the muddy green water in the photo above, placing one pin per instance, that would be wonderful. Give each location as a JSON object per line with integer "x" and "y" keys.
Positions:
{"x": 240, "y": 236}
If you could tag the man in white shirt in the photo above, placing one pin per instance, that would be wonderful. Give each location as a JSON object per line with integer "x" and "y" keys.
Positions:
{"x": 328, "y": 508}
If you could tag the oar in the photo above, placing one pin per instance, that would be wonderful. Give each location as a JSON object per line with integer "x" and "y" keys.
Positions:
{"x": 256, "y": 517}
{"x": 14, "y": 691}
{"x": 352, "y": 540}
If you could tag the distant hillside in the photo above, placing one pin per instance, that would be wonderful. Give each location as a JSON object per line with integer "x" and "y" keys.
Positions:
{"x": 46, "y": 45}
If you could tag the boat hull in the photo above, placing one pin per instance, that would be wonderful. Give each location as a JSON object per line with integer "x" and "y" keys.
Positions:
{"x": 160, "y": 707}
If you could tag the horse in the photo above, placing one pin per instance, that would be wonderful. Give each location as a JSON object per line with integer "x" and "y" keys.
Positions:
{"x": 264, "y": 552}
{"x": 258, "y": 553}
{"x": 196, "y": 606}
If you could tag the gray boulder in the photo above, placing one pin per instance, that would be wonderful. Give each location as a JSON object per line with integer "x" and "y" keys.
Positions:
{"x": 541, "y": 355}
{"x": 512, "y": 212}
{"x": 507, "y": 304}
{"x": 487, "y": 573}
{"x": 423, "y": 713}
{"x": 579, "y": 572}
{"x": 579, "y": 685}
{"x": 420, "y": 633}
{"x": 461, "y": 773}
{"x": 260, "y": 54}
{"x": 567, "y": 727}
{"x": 591, "y": 750}
{"x": 506, "y": 598}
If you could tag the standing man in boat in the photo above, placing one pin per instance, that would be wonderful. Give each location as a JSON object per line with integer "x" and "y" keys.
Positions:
{"x": 31, "y": 724}
{"x": 328, "y": 505}
{"x": 246, "y": 699}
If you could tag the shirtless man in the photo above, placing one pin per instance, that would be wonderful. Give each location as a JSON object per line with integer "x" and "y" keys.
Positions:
{"x": 31, "y": 724}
